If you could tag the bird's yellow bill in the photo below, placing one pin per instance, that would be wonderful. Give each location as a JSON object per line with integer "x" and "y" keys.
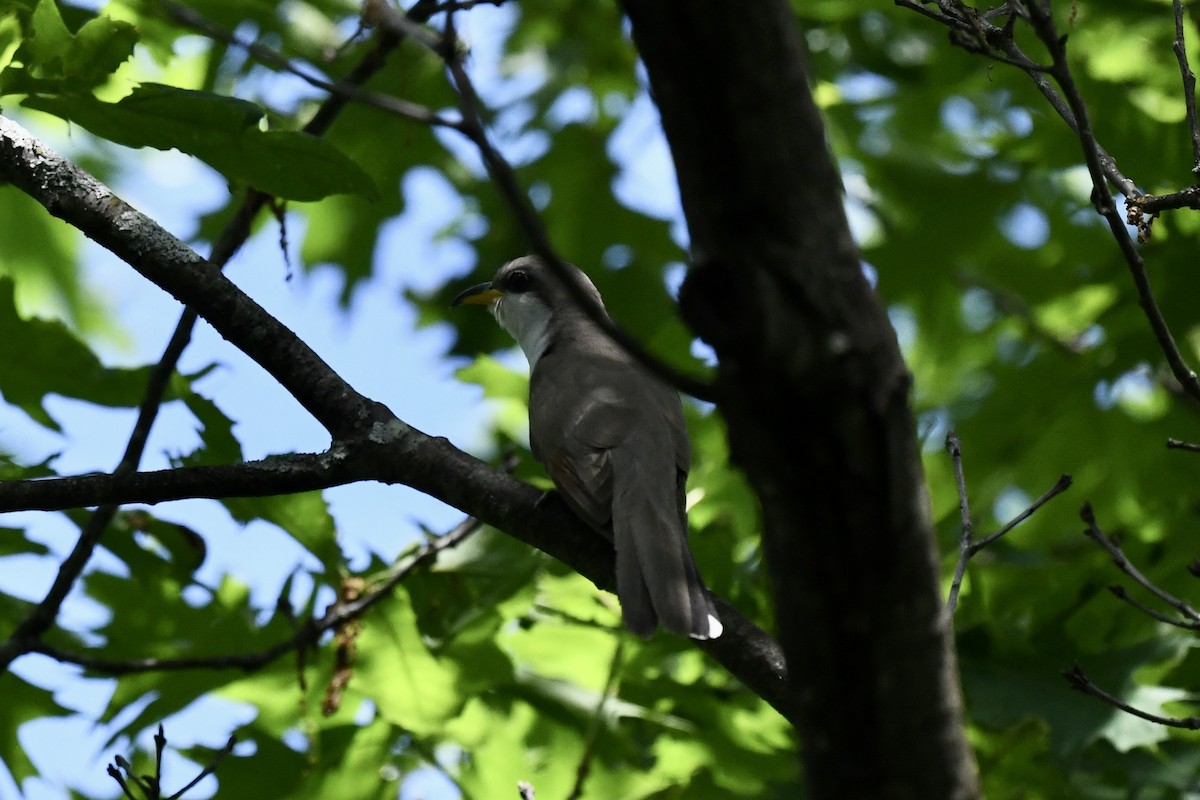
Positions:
{"x": 479, "y": 295}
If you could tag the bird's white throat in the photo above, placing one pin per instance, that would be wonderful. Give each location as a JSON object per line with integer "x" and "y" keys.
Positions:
{"x": 527, "y": 318}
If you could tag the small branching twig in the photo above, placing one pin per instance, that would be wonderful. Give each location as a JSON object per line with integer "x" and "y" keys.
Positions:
{"x": 967, "y": 546}
{"x": 596, "y": 722}
{"x": 1179, "y": 444}
{"x": 974, "y": 32}
{"x": 151, "y": 785}
{"x": 1191, "y": 619}
{"x": 1080, "y": 682}
{"x": 393, "y": 105}
{"x": 336, "y": 616}
{"x": 209, "y": 768}
{"x": 1189, "y": 87}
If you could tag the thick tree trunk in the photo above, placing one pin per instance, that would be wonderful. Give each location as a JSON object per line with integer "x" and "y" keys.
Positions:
{"x": 815, "y": 394}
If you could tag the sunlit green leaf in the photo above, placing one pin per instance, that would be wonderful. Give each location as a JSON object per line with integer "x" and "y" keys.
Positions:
{"x": 223, "y": 132}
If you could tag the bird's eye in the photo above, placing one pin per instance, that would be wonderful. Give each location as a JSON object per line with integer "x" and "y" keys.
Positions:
{"x": 518, "y": 281}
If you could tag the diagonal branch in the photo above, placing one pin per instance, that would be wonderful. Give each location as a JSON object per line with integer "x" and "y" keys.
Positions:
{"x": 975, "y": 33}
{"x": 42, "y": 616}
{"x": 71, "y": 194}
{"x": 1093, "y": 532}
{"x": 1081, "y": 682}
{"x": 968, "y": 547}
{"x": 347, "y": 89}
{"x": 1043, "y": 25}
{"x": 984, "y": 37}
{"x": 1189, "y": 86}
{"x": 305, "y": 637}
{"x": 505, "y": 179}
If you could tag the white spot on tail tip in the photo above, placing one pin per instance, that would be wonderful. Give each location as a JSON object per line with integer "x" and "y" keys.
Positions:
{"x": 715, "y": 628}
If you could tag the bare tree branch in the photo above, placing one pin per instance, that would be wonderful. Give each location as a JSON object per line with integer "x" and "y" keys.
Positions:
{"x": 306, "y": 637}
{"x": 1043, "y": 25}
{"x": 349, "y": 90}
{"x": 1120, "y": 593}
{"x": 151, "y": 785}
{"x": 1093, "y": 532}
{"x": 1189, "y": 86}
{"x": 208, "y": 769}
{"x": 271, "y": 476}
{"x": 954, "y": 446}
{"x": 80, "y": 200}
{"x": 1154, "y": 204}
{"x": 985, "y": 38}
{"x": 967, "y": 547}
{"x": 1080, "y": 682}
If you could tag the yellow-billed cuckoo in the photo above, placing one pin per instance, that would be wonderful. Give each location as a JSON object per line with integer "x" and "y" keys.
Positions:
{"x": 612, "y": 438}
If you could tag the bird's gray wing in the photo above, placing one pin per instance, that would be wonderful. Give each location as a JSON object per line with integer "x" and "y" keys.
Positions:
{"x": 573, "y": 433}
{"x": 615, "y": 445}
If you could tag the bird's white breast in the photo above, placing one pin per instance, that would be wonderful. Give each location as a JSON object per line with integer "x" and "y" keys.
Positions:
{"x": 527, "y": 318}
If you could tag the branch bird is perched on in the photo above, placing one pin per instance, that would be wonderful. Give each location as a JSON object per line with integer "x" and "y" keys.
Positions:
{"x": 612, "y": 438}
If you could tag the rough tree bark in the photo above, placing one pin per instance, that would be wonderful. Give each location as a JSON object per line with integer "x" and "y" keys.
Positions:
{"x": 815, "y": 394}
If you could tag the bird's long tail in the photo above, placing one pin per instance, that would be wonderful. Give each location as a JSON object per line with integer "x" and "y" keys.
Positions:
{"x": 657, "y": 579}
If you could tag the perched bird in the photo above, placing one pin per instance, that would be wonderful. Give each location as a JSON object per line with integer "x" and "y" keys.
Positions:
{"x": 612, "y": 438}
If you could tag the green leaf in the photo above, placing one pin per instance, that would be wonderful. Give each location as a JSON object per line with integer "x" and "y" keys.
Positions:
{"x": 15, "y": 542}
{"x": 39, "y": 357}
{"x": 22, "y": 703}
{"x": 412, "y": 688}
{"x": 304, "y": 516}
{"x": 55, "y": 60}
{"x": 155, "y": 548}
{"x": 219, "y": 445}
{"x": 48, "y": 39}
{"x": 221, "y": 131}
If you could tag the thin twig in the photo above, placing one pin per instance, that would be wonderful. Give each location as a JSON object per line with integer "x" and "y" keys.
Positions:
{"x": 351, "y": 91}
{"x": 209, "y": 768}
{"x": 1120, "y": 593}
{"x": 967, "y": 548}
{"x": 1080, "y": 682}
{"x": 114, "y": 772}
{"x": 1178, "y": 444}
{"x": 160, "y": 744}
{"x": 1061, "y": 485}
{"x": 595, "y": 723}
{"x": 1093, "y": 532}
{"x": 307, "y": 636}
{"x": 1155, "y": 203}
{"x": 1189, "y": 87}
{"x": 973, "y": 32}
{"x": 1043, "y": 25}
{"x": 505, "y": 179}
{"x": 954, "y": 446}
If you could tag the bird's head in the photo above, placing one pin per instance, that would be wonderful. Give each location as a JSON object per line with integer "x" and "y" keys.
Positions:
{"x": 531, "y": 301}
